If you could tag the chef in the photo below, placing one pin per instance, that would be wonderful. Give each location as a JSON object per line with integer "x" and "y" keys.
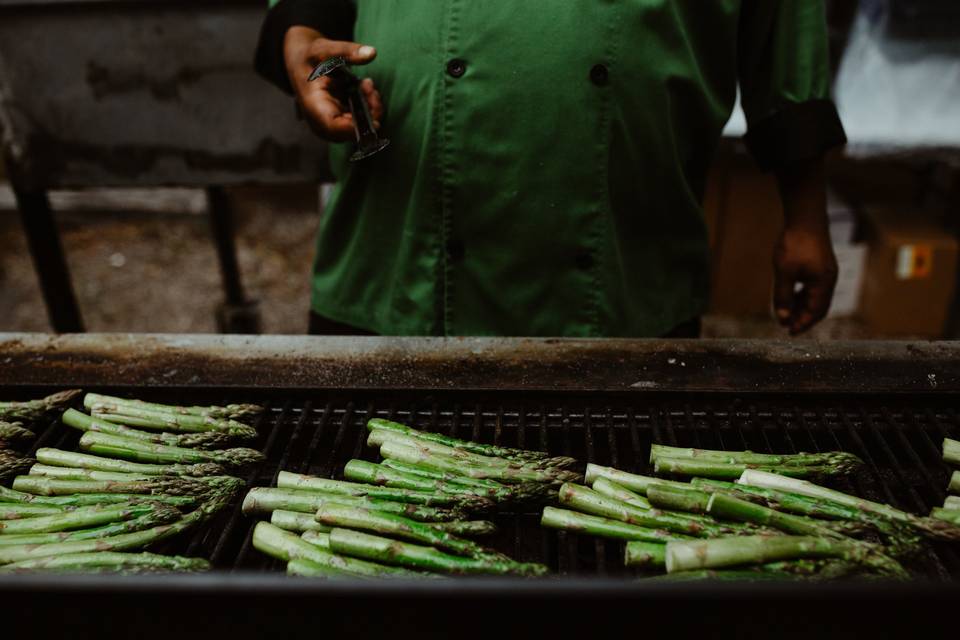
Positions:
{"x": 547, "y": 162}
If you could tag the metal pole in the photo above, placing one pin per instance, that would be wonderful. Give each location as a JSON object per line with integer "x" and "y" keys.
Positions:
{"x": 236, "y": 314}
{"x": 46, "y": 250}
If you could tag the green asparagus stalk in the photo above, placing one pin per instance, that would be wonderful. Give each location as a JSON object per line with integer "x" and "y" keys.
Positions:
{"x": 413, "y": 455}
{"x": 80, "y": 518}
{"x": 287, "y": 480}
{"x": 724, "y": 471}
{"x": 139, "y": 451}
{"x": 123, "y": 541}
{"x": 453, "y": 478}
{"x": 34, "y": 410}
{"x": 633, "y": 482}
{"x": 154, "y": 518}
{"x": 369, "y": 473}
{"x": 783, "y": 500}
{"x": 589, "y": 501}
{"x": 161, "y": 485}
{"x": 378, "y": 437}
{"x": 229, "y": 412}
{"x": 317, "y": 538}
{"x": 613, "y": 490}
{"x": 927, "y": 526}
{"x": 296, "y": 522}
{"x": 387, "y": 551}
{"x": 842, "y": 461}
{"x": 952, "y": 502}
{"x": 390, "y": 525}
{"x": 308, "y": 569}
{"x": 947, "y": 515}
{"x": 951, "y": 451}
{"x": 954, "y": 482}
{"x": 200, "y": 440}
{"x": 163, "y": 421}
{"x": 70, "y": 473}
{"x": 263, "y": 500}
{"x": 727, "y": 552}
{"x": 671, "y": 498}
{"x": 99, "y": 562}
{"x": 56, "y": 457}
{"x": 645, "y": 555}
{"x": 283, "y": 545}
{"x": 14, "y": 433}
{"x": 12, "y": 464}
{"x": 18, "y": 511}
{"x": 581, "y": 523}
{"x": 518, "y": 455}
{"x": 90, "y": 499}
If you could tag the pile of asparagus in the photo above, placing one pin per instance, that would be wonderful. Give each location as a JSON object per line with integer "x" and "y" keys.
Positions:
{"x": 15, "y": 435}
{"x": 950, "y": 511}
{"x": 764, "y": 526}
{"x": 146, "y": 472}
{"x": 409, "y": 515}
{"x": 728, "y": 465}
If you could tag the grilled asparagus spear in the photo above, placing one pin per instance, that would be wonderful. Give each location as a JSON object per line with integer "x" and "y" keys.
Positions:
{"x": 103, "y": 562}
{"x": 159, "y": 485}
{"x": 152, "y": 519}
{"x": 177, "y": 422}
{"x": 140, "y": 451}
{"x": 284, "y": 545}
{"x": 387, "y": 551}
{"x": 297, "y": 522}
{"x": 88, "y": 499}
{"x": 706, "y": 468}
{"x": 718, "y": 553}
{"x": 200, "y": 440}
{"x": 344, "y": 516}
{"x": 94, "y": 401}
{"x": 33, "y": 410}
{"x": 56, "y": 457}
{"x": 287, "y": 480}
{"x": 947, "y": 515}
{"x": 79, "y": 518}
{"x": 263, "y": 500}
{"x": 952, "y": 503}
{"x": 510, "y": 475}
{"x": 842, "y": 461}
{"x": 508, "y": 453}
{"x": 577, "y": 522}
{"x": 954, "y": 482}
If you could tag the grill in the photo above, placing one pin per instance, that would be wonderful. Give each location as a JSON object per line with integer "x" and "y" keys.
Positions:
{"x": 315, "y": 430}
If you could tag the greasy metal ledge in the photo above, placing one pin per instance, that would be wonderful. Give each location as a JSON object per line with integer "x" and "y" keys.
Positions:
{"x": 543, "y": 364}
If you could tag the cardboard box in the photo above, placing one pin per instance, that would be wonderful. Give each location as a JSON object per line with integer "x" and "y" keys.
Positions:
{"x": 910, "y": 274}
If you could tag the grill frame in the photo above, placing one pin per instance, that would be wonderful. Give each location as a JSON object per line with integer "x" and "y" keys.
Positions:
{"x": 212, "y": 369}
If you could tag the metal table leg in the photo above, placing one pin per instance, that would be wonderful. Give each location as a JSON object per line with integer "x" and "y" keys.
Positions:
{"x": 236, "y": 314}
{"x": 46, "y": 250}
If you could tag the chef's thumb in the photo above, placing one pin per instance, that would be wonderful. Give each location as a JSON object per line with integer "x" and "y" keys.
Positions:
{"x": 354, "y": 52}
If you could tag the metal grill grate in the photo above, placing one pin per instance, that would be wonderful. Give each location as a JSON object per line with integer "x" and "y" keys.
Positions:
{"x": 898, "y": 436}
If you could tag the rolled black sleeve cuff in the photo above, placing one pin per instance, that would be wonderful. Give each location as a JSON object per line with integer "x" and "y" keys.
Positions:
{"x": 798, "y": 132}
{"x": 333, "y": 18}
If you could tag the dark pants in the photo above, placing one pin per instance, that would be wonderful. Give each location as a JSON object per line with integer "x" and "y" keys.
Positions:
{"x": 320, "y": 326}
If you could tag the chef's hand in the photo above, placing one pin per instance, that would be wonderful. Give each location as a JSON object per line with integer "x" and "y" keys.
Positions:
{"x": 805, "y": 268}
{"x": 329, "y": 116}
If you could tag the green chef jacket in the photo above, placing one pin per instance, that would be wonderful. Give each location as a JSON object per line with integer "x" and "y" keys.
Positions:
{"x": 548, "y": 157}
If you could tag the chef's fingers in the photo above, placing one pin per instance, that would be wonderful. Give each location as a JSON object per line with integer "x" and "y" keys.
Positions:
{"x": 783, "y": 293}
{"x": 374, "y": 101}
{"x": 327, "y": 117}
{"x": 813, "y": 302}
{"x": 355, "y": 53}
